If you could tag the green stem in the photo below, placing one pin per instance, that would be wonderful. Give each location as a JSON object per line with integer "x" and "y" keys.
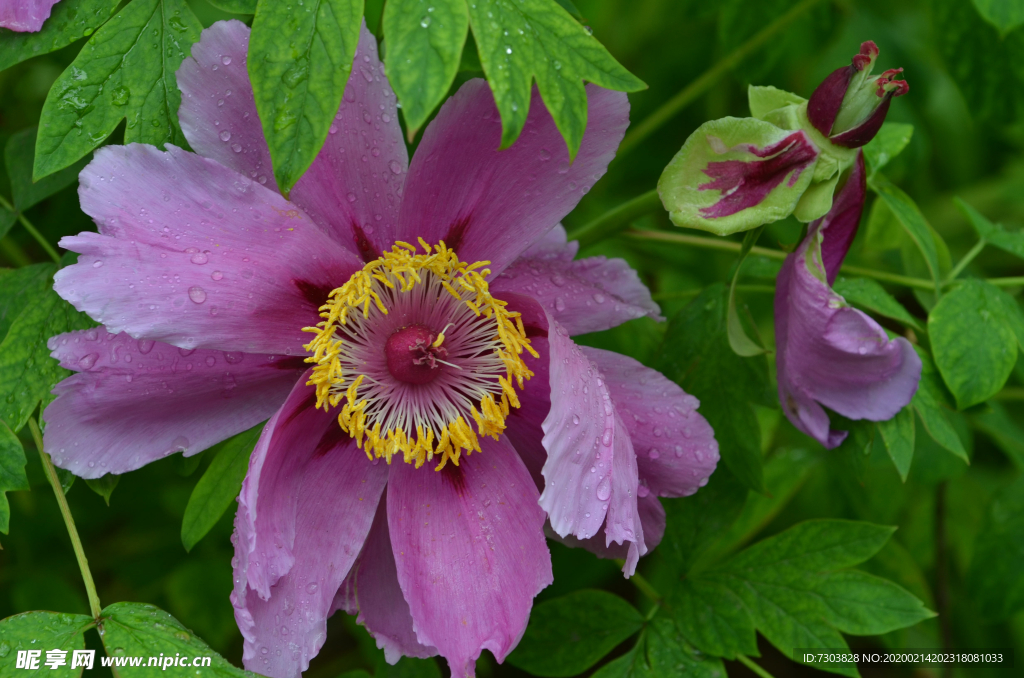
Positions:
{"x": 962, "y": 264}
{"x": 704, "y": 82}
{"x": 617, "y": 219}
{"x": 1006, "y": 282}
{"x": 732, "y": 246}
{"x": 76, "y": 543}
{"x": 13, "y": 253}
{"x": 749, "y": 663}
{"x": 645, "y": 588}
{"x": 683, "y": 294}
{"x": 32, "y": 230}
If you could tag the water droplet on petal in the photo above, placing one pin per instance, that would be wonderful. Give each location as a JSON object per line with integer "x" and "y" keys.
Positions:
{"x": 604, "y": 488}
{"x": 225, "y": 136}
{"x": 226, "y": 60}
{"x": 197, "y": 294}
{"x": 87, "y": 361}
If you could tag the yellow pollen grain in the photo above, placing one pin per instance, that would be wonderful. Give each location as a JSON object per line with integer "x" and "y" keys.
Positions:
{"x": 402, "y": 265}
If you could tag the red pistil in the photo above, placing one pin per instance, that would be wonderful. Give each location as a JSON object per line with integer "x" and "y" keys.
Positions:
{"x": 412, "y": 356}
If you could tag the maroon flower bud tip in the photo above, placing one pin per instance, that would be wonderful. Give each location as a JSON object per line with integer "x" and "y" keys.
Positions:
{"x": 850, "y": 105}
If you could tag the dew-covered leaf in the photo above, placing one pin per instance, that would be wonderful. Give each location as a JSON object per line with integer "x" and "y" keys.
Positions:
{"x": 69, "y": 20}
{"x": 40, "y": 632}
{"x": 19, "y": 157}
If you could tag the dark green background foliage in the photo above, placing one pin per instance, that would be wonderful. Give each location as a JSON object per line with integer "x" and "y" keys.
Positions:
{"x": 789, "y": 545}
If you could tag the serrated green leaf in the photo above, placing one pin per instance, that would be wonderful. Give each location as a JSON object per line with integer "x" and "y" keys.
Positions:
{"x": 235, "y": 6}
{"x": 668, "y": 654}
{"x": 984, "y": 64}
{"x": 126, "y": 70}
{"x": 12, "y": 472}
{"x": 568, "y": 635}
{"x": 19, "y": 157}
{"x": 995, "y": 234}
{"x": 693, "y": 523}
{"x": 27, "y": 372}
{"x": 141, "y": 630}
{"x": 44, "y": 631}
{"x": 425, "y": 40}
{"x": 697, "y": 356}
{"x": 931, "y": 404}
{"x": 898, "y": 435}
{"x": 1005, "y": 15}
{"x": 104, "y": 485}
{"x": 526, "y": 39}
{"x": 973, "y": 345}
{"x": 299, "y": 62}
{"x": 218, "y": 487}
{"x": 996, "y": 579}
{"x": 909, "y": 216}
{"x": 868, "y": 294}
{"x": 19, "y": 287}
{"x": 890, "y": 141}
{"x": 69, "y": 20}
{"x": 712, "y": 618}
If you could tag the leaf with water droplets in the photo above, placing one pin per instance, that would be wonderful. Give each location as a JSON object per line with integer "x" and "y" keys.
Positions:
{"x": 126, "y": 70}
{"x": 425, "y": 40}
{"x": 527, "y": 39}
{"x": 27, "y": 372}
{"x": 235, "y": 6}
{"x": 43, "y": 631}
{"x": 218, "y": 487}
{"x": 141, "y": 630}
{"x": 299, "y": 61}
{"x": 69, "y": 21}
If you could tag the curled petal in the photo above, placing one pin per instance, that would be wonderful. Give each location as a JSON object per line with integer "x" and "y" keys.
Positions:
{"x": 675, "y": 447}
{"x": 305, "y": 509}
{"x": 828, "y": 353}
{"x": 758, "y": 173}
{"x": 136, "y": 401}
{"x": 469, "y": 548}
{"x": 652, "y": 518}
{"x": 588, "y": 295}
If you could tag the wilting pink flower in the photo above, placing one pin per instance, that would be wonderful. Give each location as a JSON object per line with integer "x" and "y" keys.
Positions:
{"x": 849, "y": 106}
{"x": 363, "y": 318}
{"x": 25, "y": 16}
{"x": 827, "y": 352}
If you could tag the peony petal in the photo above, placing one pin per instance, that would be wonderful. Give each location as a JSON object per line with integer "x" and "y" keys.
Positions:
{"x": 833, "y": 354}
{"x": 840, "y": 225}
{"x": 523, "y": 425}
{"x": 622, "y": 523}
{"x": 652, "y": 517}
{"x": 470, "y": 551}
{"x": 196, "y": 255}
{"x": 354, "y": 187}
{"x": 675, "y": 446}
{"x": 25, "y": 16}
{"x": 133, "y": 402}
{"x": 218, "y": 110}
{"x": 578, "y": 435}
{"x": 492, "y": 205}
{"x": 588, "y": 295}
{"x": 381, "y": 605}
{"x": 305, "y": 510}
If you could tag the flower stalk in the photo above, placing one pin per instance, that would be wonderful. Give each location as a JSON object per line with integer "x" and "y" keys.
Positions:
{"x": 47, "y": 247}
{"x": 69, "y": 521}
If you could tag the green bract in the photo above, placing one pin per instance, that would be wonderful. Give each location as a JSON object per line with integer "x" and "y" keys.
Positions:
{"x": 804, "y": 190}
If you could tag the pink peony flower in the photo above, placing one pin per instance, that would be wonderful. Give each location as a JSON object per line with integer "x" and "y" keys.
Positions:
{"x": 406, "y": 330}
{"x": 827, "y": 352}
{"x": 25, "y": 16}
